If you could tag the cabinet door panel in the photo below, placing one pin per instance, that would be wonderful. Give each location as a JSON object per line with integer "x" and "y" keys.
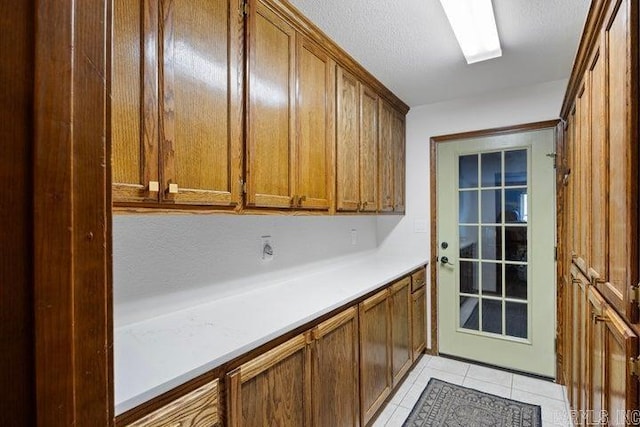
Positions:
{"x": 399, "y": 162}
{"x": 623, "y": 153}
{"x": 335, "y": 374}
{"x": 375, "y": 361}
{"x": 418, "y": 322}
{"x": 598, "y": 167}
{"x": 595, "y": 354}
{"x": 621, "y": 387}
{"x": 348, "y": 137}
{"x": 580, "y": 319}
{"x": 368, "y": 149}
{"x": 400, "y": 304}
{"x": 134, "y": 100}
{"x": 314, "y": 115}
{"x": 272, "y": 389}
{"x": 385, "y": 157}
{"x": 201, "y": 146}
{"x": 270, "y": 121}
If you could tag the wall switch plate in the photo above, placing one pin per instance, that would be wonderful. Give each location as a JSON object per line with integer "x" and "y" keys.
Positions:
{"x": 266, "y": 248}
{"x": 354, "y": 236}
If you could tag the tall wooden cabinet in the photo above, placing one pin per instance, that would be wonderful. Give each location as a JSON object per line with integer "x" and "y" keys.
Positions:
{"x": 600, "y": 236}
{"x": 391, "y": 159}
{"x": 176, "y": 102}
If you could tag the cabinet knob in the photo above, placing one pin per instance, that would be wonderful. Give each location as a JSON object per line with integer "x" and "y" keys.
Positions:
{"x": 364, "y": 205}
{"x": 294, "y": 201}
{"x": 301, "y": 199}
{"x": 154, "y": 187}
{"x": 173, "y": 188}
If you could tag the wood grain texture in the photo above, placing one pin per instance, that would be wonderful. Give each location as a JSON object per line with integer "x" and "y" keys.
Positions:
{"x": 399, "y": 164}
{"x": 584, "y": 151}
{"x": 368, "y": 122}
{"x": 375, "y": 354}
{"x": 385, "y": 157}
{"x": 72, "y": 258}
{"x": 595, "y": 353}
{"x": 17, "y": 377}
{"x": 418, "y": 322}
{"x": 201, "y": 125}
{"x": 335, "y": 371}
{"x": 400, "y": 303}
{"x": 315, "y": 118}
{"x": 418, "y": 279}
{"x": 134, "y": 100}
{"x": 347, "y": 142}
{"x": 199, "y": 408}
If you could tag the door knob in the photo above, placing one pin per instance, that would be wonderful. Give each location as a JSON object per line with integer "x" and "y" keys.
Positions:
{"x": 445, "y": 260}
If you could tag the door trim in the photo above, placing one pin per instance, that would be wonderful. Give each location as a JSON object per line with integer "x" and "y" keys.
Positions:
{"x": 433, "y": 144}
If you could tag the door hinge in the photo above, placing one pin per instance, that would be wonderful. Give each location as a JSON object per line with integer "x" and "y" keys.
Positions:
{"x": 244, "y": 8}
{"x": 555, "y": 253}
{"x": 553, "y": 156}
{"x": 634, "y": 366}
{"x": 635, "y": 294}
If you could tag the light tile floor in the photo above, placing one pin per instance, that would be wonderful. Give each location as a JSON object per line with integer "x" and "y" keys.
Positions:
{"x": 550, "y": 396}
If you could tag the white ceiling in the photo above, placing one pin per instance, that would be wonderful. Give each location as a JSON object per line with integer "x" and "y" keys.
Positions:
{"x": 410, "y": 47}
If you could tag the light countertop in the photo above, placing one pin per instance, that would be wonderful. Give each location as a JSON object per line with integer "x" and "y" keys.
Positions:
{"x": 155, "y": 355}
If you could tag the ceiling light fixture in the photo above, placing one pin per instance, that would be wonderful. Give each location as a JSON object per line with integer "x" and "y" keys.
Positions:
{"x": 474, "y": 25}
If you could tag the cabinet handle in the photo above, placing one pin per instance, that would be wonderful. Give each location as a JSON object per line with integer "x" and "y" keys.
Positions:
{"x": 173, "y": 188}
{"x": 301, "y": 199}
{"x": 598, "y": 317}
{"x": 294, "y": 201}
{"x": 154, "y": 187}
{"x": 359, "y": 206}
{"x": 364, "y": 205}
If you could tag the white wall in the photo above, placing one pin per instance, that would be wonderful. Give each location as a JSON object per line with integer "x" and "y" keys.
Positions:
{"x": 509, "y": 107}
{"x": 165, "y": 262}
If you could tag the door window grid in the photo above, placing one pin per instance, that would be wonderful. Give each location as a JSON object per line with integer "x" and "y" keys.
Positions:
{"x": 493, "y": 309}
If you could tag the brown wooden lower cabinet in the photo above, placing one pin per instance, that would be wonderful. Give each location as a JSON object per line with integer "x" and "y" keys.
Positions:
{"x": 335, "y": 371}
{"x": 418, "y": 322}
{"x": 375, "y": 354}
{"x": 199, "y": 408}
{"x": 602, "y": 359}
{"x": 400, "y": 306}
{"x": 273, "y": 389}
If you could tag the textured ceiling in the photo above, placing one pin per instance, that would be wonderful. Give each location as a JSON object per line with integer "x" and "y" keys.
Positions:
{"x": 410, "y": 47}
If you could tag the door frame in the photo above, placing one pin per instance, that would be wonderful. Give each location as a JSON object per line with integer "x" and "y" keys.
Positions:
{"x": 433, "y": 161}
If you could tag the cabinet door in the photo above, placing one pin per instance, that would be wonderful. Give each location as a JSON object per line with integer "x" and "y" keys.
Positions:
{"x": 368, "y": 149}
{"x": 134, "y": 101}
{"x": 579, "y": 321}
{"x": 584, "y": 175}
{"x": 621, "y": 383}
{"x": 399, "y": 162}
{"x": 348, "y": 137}
{"x": 201, "y": 102}
{"x": 375, "y": 354}
{"x": 270, "y": 117}
{"x": 595, "y": 355}
{"x": 385, "y": 157}
{"x": 315, "y": 114}
{"x": 418, "y": 322}
{"x": 272, "y": 389}
{"x": 621, "y": 37}
{"x": 335, "y": 372}
{"x": 199, "y": 408}
{"x": 400, "y": 304}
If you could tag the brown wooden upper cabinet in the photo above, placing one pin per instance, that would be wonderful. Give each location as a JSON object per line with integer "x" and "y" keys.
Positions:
{"x": 391, "y": 159}
{"x": 357, "y": 145}
{"x": 176, "y": 102}
{"x": 290, "y": 115}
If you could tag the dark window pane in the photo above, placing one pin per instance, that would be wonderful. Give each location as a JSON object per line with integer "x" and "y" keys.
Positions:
{"x": 468, "y": 171}
{"x": 492, "y": 316}
{"x": 491, "y": 206}
{"x": 516, "y": 205}
{"x": 491, "y": 166}
{"x": 468, "y": 207}
{"x": 491, "y": 279}
{"x": 515, "y": 167}
{"x": 491, "y": 242}
{"x": 515, "y": 281}
{"x": 469, "y": 247}
{"x": 515, "y": 243}
{"x": 469, "y": 277}
{"x": 516, "y": 319}
{"x": 469, "y": 313}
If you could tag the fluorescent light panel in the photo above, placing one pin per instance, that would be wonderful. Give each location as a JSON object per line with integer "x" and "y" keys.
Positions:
{"x": 474, "y": 25}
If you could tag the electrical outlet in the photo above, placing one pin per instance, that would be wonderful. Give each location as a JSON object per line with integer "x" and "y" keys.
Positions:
{"x": 354, "y": 236}
{"x": 266, "y": 249}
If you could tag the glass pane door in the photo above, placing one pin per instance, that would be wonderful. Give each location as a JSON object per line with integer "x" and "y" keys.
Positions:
{"x": 493, "y": 290}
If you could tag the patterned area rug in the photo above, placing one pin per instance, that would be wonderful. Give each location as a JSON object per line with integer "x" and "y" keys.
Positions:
{"x": 442, "y": 404}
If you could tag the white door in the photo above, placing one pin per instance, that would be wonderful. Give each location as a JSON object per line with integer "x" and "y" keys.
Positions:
{"x": 496, "y": 239}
